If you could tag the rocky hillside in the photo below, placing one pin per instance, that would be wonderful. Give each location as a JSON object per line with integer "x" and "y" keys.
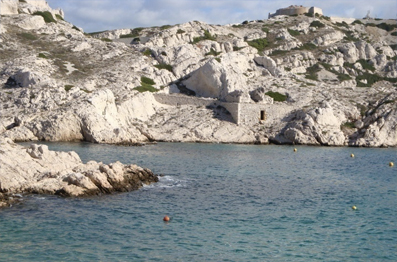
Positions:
{"x": 323, "y": 81}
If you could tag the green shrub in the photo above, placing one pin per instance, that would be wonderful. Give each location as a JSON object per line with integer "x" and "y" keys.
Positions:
{"x": 146, "y": 85}
{"x": 370, "y": 78}
{"x": 348, "y": 124}
{"x": 259, "y": 44}
{"x": 48, "y": 18}
{"x": 265, "y": 29}
{"x": 28, "y": 36}
{"x": 68, "y": 87}
{"x": 343, "y": 77}
{"x": 358, "y": 22}
{"x": 277, "y": 96}
{"x": 42, "y": 55}
{"x": 343, "y": 24}
{"x": 293, "y": 32}
{"x": 75, "y": 28}
{"x": 366, "y": 65}
{"x": 317, "y": 24}
{"x": 145, "y": 88}
{"x": 180, "y": 31}
{"x": 164, "y": 66}
{"x": 147, "y": 80}
{"x": 394, "y": 33}
{"x": 306, "y": 46}
{"x": 59, "y": 17}
{"x": 207, "y": 36}
{"x": 164, "y": 27}
{"x": 218, "y": 59}
{"x": 311, "y": 72}
{"x": 147, "y": 52}
{"x": 387, "y": 27}
{"x": 213, "y": 52}
{"x": 127, "y": 36}
{"x": 106, "y": 39}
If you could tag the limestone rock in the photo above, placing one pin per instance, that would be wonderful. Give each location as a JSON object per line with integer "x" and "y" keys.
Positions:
{"x": 216, "y": 79}
{"x": 319, "y": 126}
{"x": 39, "y": 170}
{"x": 9, "y": 7}
{"x": 329, "y": 39}
{"x": 32, "y": 22}
{"x": 269, "y": 64}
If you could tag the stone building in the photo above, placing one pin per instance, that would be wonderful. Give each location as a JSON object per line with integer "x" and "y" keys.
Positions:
{"x": 297, "y": 10}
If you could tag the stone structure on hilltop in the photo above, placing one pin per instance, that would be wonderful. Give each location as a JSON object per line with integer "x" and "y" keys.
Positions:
{"x": 297, "y": 10}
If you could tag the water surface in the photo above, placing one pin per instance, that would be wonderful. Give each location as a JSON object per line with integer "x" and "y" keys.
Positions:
{"x": 226, "y": 203}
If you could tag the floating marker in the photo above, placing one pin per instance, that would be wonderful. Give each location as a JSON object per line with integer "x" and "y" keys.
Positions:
{"x": 354, "y": 207}
{"x": 166, "y": 219}
{"x": 352, "y": 155}
{"x": 391, "y": 164}
{"x": 295, "y": 149}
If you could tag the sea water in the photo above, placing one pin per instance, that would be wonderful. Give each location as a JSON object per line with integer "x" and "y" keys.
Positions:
{"x": 226, "y": 203}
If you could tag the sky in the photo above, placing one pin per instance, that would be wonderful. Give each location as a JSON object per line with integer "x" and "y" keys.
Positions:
{"x": 100, "y": 15}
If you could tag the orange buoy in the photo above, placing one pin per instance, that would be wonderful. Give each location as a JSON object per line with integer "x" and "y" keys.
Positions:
{"x": 166, "y": 218}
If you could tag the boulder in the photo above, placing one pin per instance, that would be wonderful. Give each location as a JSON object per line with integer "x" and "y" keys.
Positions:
{"x": 218, "y": 79}
{"x": 32, "y": 22}
{"x": 269, "y": 64}
{"x": 319, "y": 126}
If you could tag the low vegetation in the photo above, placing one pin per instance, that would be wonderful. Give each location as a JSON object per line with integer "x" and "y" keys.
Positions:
{"x": 164, "y": 66}
{"x": 207, "y": 36}
{"x": 213, "y": 52}
{"x": 276, "y": 96}
{"x": 48, "y": 18}
{"x": 317, "y": 24}
{"x": 68, "y": 87}
{"x": 146, "y": 85}
{"x": 260, "y": 44}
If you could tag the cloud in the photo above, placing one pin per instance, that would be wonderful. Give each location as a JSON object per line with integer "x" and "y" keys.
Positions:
{"x": 97, "y": 15}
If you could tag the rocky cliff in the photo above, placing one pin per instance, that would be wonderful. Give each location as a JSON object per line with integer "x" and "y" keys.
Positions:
{"x": 318, "y": 81}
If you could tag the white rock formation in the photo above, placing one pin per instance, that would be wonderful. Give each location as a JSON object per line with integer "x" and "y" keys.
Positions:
{"x": 9, "y": 7}
{"x": 39, "y": 170}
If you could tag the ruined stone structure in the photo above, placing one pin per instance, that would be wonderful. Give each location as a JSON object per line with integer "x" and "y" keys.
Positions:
{"x": 297, "y": 10}
{"x": 242, "y": 113}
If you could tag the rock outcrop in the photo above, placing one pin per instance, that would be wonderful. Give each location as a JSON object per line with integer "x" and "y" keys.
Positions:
{"x": 38, "y": 170}
{"x": 284, "y": 80}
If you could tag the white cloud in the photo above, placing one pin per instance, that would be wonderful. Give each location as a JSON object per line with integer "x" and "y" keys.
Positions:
{"x": 96, "y": 15}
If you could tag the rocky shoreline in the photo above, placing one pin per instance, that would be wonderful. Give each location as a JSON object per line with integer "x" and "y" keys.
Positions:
{"x": 285, "y": 80}
{"x": 37, "y": 170}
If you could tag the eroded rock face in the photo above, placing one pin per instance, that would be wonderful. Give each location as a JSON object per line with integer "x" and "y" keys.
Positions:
{"x": 9, "y": 7}
{"x": 319, "y": 126}
{"x": 66, "y": 86}
{"x": 38, "y": 170}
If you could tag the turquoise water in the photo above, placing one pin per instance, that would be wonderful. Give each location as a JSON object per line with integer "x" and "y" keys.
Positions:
{"x": 226, "y": 203}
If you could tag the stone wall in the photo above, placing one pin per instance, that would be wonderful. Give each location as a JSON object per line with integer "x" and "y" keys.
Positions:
{"x": 315, "y": 10}
{"x": 177, "y": 99}
{"x": 242, "y": 113}
{"x": 297, "y": 10}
